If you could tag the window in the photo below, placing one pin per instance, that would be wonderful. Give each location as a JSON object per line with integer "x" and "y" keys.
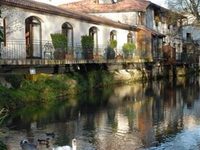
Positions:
{"x": 130, "y": 37}
{"x": 114, "y": 1}
{"x": 188, "y": 36}
{"x": 2, "y": 31}
{"x": 67, "y": 30}
{"x": 93, "y": 32}
{"x": 141, "y": 18}
{"x": 1, "y": 34}
{"x": 33, "y": 33}
{"x": 113, "y": 35}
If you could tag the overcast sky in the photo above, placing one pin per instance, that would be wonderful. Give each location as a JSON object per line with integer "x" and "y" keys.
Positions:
{"x": 159, "y": 2}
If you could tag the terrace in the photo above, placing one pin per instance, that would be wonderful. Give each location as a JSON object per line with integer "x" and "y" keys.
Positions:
{"x": 44, "y": 54}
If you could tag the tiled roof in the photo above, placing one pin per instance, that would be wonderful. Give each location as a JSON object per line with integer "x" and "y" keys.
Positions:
{"x": 49, "y": 9}
{"x": 89, "y": 6}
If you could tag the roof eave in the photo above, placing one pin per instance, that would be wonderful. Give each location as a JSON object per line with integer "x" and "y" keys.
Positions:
{"x": 90, "y": 19}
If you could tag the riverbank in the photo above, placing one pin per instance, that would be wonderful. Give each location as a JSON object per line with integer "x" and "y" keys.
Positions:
{"x": 18, "y": 90}
{"x": 119, "y": 112}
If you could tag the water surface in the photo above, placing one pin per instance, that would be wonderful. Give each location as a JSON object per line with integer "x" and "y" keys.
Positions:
{"x": 157, "y": 115}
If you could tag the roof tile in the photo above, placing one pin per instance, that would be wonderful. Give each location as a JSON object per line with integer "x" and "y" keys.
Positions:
{"x": 89, "y": 6}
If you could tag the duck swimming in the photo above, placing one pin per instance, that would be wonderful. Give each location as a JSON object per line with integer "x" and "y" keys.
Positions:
{"x": 26, "y": 145}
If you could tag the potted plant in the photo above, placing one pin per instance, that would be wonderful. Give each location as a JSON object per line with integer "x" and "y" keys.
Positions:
{"x": 111, "y": 49}
{"x": 113, "y": 44}
{"x": 87, "y": 44}
{"x": 128, "y": 49}
{"x": 59, "y": 42}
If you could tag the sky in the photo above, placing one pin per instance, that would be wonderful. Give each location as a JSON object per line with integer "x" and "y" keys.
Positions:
{"x": 57, "y": 2}
{"x": 160, "y": 2}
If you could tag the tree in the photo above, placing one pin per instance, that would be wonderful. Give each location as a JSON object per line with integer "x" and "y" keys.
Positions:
{"x": 189, "y": 7}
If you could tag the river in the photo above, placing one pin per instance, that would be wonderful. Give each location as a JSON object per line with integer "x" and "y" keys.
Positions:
{"x": 141, "y": 116}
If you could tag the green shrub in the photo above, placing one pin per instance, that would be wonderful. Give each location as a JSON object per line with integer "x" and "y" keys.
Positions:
{"x": 2, "y": 146}
{"x": 128, "y": 48}
{"x": 87, "y": 42}
{"x": 59, "y": 41}
{"x": 110, "y": 53}
{"x": 113, "y": 43}
{"x": 15, "y": 79}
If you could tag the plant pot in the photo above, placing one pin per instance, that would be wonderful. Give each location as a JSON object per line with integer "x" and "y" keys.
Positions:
{"x": 59, "y": 54}
{"x": 88, "y": 54}
{"x": 69, "y": 56}
{"x": 128, "y": 55}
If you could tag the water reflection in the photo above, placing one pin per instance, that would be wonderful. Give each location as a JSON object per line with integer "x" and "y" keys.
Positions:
{"x": 156, "y": 115}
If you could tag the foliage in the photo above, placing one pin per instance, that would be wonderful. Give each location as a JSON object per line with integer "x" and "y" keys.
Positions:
{"x": 172, "y": 18}
{"x": 99, "y": 79}
{"x": 110, "y": 53}
{"x": 15, "y": 80}
{"x": 7, "y": 98}
{"x": 3, "y": 114}
{"x": 42, "y": 90}
{"x": 59, "y": 41}
{"x": 128, "y": 48}
{"x": 2, "y": 146}
{"x": 47, "y": 89}
{"x": 113, "y": 43}
{"x": 87, "y": 42}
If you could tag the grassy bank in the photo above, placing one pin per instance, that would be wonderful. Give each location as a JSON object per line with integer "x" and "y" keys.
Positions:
{"x": 43, "y": 89}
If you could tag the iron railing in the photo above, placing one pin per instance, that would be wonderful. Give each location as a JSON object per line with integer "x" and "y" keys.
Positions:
{"x": 188, "y": 58}
{"x": 47, "y": 50}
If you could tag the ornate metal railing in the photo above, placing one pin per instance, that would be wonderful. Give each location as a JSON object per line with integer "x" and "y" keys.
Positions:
{"x": 45, "y": 50}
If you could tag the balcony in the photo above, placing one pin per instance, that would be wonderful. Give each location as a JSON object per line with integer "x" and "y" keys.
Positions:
{"x": 44, "y": 53}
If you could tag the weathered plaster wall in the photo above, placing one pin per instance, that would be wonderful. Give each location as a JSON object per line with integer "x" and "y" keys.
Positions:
{"x": 194, "y": 30}
{"x": 123, "y": 17}
{"x": 15, "y": 29}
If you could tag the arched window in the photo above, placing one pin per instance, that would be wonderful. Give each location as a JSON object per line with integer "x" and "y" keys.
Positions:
{"x": 93, "y": 31}
{"x": 33, "y": 37}
{"x": 2, "y": 31}
{"x": 67, "y": 30}
{"x": 113, "y": 35}
{"x": 130, "y": 37}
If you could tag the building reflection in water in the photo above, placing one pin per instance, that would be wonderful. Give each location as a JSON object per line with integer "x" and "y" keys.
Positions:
{"x": 125, "y": 117}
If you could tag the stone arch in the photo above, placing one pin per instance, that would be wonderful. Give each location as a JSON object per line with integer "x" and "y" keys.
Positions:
{"x": 33, "y": 37}
{"x": 67, "y": 29}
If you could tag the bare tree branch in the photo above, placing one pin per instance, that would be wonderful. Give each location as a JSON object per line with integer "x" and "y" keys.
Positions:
{"x": 191, "y": 7}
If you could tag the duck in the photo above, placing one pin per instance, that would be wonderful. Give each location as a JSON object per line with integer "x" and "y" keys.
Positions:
{"x": 67, "y": 147}
{"x": 50, "y": 134}
{"x": 26, "y": 145}
{"x": 43, "y": 141}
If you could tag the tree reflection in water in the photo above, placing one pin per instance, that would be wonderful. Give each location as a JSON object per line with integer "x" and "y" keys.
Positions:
{"x": 153, "y": 115}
